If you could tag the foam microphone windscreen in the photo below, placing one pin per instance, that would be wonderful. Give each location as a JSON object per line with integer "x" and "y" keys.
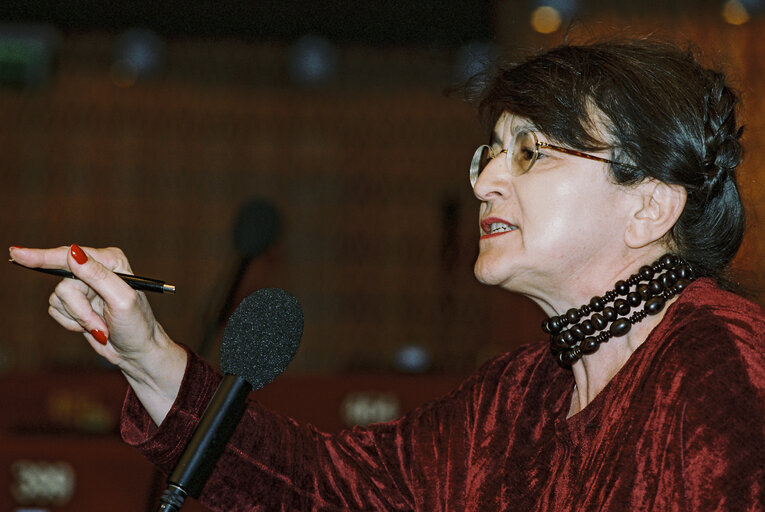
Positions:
{"x": 262, "y": 336}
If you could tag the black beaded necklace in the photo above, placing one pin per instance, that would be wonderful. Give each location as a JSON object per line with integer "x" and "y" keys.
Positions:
{"x": 581, "y": 330}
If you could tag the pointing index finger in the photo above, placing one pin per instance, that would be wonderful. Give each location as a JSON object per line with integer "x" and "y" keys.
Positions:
{"x": 43, "y": 258}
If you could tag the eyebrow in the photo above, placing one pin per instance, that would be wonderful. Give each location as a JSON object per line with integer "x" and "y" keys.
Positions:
{"x": 514, "y": 129}
{"x": 521, "y": 126}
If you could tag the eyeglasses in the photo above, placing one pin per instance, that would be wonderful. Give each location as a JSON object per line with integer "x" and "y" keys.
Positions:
{"x": 522, "y": 154}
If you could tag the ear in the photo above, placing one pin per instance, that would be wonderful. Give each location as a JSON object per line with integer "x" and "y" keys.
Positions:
{"x": 658, "y": 207}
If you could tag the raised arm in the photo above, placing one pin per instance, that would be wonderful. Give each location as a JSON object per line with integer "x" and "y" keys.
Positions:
{"x": 115, "y": 319}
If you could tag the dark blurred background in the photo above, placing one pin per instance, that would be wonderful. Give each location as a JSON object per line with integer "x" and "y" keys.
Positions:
{"x": 321, "y": 147}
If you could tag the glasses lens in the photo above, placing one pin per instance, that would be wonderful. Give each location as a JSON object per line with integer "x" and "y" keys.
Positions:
{"x": 481, "y": 158}
{"x": 524, "y": 153}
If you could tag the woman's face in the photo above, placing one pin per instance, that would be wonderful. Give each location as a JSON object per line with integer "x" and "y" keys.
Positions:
{"x": 558, "y": 227}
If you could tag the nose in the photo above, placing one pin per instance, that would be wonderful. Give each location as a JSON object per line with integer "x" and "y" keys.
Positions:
{"x": 494, "y": 180}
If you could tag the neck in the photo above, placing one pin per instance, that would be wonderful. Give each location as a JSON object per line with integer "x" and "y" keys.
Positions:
{"x": 597, "y": 338}
{"x": 594, "y": 371}
{"x": 591, "y": 280}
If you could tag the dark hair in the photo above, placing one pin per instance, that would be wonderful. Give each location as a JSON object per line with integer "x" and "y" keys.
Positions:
{"x": 664, "y": 113}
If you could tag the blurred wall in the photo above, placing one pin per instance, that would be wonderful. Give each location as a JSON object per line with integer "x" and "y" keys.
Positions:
{"x": 368, "y": 172}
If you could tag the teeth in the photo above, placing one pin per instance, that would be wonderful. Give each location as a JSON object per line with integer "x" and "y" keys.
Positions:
{"x": 500, "y": 227}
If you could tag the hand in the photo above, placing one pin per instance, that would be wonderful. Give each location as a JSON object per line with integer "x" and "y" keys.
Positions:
{"x": 99, "y": 304}
{"x": 115, "y": 319}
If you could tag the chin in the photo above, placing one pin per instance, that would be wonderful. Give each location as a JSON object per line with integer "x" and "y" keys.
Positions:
{"x": 487, "y": 273}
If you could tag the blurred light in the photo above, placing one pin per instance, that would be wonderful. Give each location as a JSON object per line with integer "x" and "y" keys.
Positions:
{"x": 365, "y": 407}
{"x": 313, "y": 61}
{"x": 27, "y": 54}
{"x": 473, "y": 59}
{"x": 412, "y": 359}
{"x": 138, "y": 54}
{"x": 546, "y": 19}
{"x": 735, "y": 13}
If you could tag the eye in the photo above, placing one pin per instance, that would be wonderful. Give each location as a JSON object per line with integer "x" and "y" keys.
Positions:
{"x": 525, "y": 152}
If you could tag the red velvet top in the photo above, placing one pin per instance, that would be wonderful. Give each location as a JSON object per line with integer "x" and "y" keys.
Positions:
{"x": 681, "y": 427}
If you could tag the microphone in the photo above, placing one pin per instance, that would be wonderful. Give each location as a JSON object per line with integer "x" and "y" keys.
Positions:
{"x": 256, "y": 228}
{"x": 259, "y": 341}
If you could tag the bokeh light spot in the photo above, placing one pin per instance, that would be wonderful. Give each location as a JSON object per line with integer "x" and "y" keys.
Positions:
{"x": 735, "y": 13}
{"x": 545, "y": 19}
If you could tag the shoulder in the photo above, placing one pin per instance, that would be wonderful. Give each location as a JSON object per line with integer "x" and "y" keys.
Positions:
{"x": 708, "y": 325}
{"x": 709, "y": 351}
{"x": 706, "y": 301}
{"x": 711, "y": 369}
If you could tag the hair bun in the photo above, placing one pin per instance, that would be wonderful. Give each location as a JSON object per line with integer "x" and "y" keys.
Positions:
{"x": 722, "y": 146}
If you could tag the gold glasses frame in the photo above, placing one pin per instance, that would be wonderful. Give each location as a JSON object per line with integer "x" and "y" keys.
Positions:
{"x": 477, "y": 165}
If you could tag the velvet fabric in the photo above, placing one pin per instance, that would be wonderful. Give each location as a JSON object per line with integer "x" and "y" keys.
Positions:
{"x": 681, "y": 427}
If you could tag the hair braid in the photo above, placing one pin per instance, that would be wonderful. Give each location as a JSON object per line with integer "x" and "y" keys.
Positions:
{"x": 721, "y": 136}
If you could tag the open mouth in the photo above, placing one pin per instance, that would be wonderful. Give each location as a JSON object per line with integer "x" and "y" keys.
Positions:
{"x": 493, "y": 227}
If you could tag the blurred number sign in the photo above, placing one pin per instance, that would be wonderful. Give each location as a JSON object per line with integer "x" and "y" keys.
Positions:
{"x": 42, "y": 483}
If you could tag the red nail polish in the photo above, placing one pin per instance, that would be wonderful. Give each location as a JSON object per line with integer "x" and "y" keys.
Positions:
{"x": 99, "y": 335}
{"x": 16, "y": 247}
{"x": 78, "y": 254}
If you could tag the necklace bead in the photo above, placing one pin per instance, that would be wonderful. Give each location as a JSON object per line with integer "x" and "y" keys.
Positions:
{"x": 646, "y": 273}
{"x": 572, "y": 315}
{"x": 622, "y": 307}
{"x": 598, "y": 322}
{"x": 634, "y": 299}
{"x": 620, "y": 327}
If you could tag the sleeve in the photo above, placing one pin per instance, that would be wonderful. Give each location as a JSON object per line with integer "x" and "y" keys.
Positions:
{"x": 724, "y": 426}
{"x": 273, "y": 463}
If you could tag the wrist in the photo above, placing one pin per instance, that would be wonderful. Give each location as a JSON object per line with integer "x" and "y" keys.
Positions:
{"x": 158, "y": 369}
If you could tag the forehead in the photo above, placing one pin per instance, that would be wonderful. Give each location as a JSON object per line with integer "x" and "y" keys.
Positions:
{"x": 596, "y": 129}
{"x": 508, "y": 125}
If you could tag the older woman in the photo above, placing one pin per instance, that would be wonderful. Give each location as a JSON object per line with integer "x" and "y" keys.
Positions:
{"x": 608, "y": 196}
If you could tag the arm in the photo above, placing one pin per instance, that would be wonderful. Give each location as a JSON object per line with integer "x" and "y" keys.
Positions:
{"x": 116, "y": 320}
{"x": 273, "y": 463}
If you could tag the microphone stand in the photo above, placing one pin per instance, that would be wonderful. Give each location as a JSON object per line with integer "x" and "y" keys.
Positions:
{"x": 225, "y": 309}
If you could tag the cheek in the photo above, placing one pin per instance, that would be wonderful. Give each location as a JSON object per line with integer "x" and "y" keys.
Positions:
{"x": 568, "y": 214}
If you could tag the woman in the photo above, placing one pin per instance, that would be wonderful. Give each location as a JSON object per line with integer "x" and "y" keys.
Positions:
{"x": 608, "y": 195}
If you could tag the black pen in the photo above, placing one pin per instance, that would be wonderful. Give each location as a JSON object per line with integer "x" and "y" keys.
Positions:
{"x": 135, "y": 282}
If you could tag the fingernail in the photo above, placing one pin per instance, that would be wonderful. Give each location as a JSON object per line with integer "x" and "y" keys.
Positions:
{"x": 16, "y": 247}
{"x": 78, "y": 254}
{"x": 98, "y": 335}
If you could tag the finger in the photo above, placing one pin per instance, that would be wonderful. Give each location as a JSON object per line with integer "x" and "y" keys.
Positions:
{"x": 64, "y": 320}
{"x": 69, "y": 299}
{"x": 45, "y": 258}
{"x": 114, "y": 291}
{"x": 67, "y": 286}
{"x": 62, "y": 314}
{"x": 94, "y": 335}
{"x": 111, "y": 257}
